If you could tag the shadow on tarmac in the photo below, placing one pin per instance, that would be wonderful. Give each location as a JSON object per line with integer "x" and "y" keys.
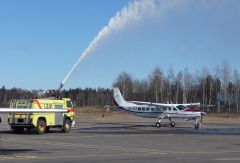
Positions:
{"x": 151, "y": 129}
{"x": 14, "y": 151}
{"x": 28, "y": 132}
{"x": 124, "y": 128}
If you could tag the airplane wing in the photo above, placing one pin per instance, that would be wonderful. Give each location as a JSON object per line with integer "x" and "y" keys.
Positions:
{"x": 15, "y": 110}
{"x": 191, "y": 104}
{"x": 150, "y": 103}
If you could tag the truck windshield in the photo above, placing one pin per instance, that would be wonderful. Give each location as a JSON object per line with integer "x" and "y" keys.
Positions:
{"x": 69, "y": 104}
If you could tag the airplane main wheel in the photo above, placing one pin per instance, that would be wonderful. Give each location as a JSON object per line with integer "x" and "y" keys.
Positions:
{"x": 172, "y": 124}
{"x": 196, "y": 126}
{"x": 158, "y": 124}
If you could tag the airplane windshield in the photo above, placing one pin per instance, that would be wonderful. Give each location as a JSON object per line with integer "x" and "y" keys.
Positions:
{"x": 181, "y": 107}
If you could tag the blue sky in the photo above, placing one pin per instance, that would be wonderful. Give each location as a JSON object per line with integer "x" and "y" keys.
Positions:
{"x": 41, "y": 40}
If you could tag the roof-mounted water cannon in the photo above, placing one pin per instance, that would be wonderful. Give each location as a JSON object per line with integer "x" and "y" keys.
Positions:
{"x": 52, "y": 93}
{"x": 60, "y": 87}
{"x": 56, "y": 93}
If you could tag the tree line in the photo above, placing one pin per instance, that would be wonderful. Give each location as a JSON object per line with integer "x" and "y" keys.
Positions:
{"x": 217, "y": 90}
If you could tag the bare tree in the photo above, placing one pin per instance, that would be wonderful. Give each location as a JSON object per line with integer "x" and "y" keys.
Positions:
{"x": 225, "y": 81}
{"x": 236, "y": 80}
{"x": 205, "y": 73}
{"x": 170, "y": 82}
{"x": 125, "y": 84}
{"x": 156, "y": 84}
{"x": 140, "y": 89}
{"x": 178, "y": 86}
{"x": 187, "y": 85}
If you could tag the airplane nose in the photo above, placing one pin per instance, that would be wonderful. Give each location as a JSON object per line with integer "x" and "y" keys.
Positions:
{"x": 203, "y": 113}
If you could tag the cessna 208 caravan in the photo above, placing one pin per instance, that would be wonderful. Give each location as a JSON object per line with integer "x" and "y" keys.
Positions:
{"x": 159, "y": 110}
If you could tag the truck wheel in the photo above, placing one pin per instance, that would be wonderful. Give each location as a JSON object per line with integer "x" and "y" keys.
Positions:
{"x": 18, "y": 130}
{"x": 41, "y": 126}
{"x": 66, "y": 126}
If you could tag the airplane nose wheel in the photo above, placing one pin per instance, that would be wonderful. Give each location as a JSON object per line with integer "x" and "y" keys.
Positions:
{"x": 196, "y": 126}
{"x": 172, "y": 124}
{"x": 158, "y": 124}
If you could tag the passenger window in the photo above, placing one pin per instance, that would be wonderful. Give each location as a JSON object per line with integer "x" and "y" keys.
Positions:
{"x": 152, "y": 109}
{"x": 147, "y": 109}
{"x": 165, "y": 109}
{"x": 174, "y": 109}
{"x": 139, "y": 109}
{"x": 143, "y": 109}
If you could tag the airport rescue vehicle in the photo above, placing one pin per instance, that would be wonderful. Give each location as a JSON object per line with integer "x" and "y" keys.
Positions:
{"x": 42, "y": 122}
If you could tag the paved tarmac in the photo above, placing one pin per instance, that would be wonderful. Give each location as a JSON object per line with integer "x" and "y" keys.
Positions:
{"x": 125, "y": 140}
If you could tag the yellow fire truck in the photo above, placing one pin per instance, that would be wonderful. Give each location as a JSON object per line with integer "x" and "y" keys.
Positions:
{"x": 42, "y": 122}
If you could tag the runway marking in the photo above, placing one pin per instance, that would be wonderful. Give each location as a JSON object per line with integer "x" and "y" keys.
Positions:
{"x": 16, "y": 157}
{"x": 227, "y": 159}
{"x": 56, "y": 157}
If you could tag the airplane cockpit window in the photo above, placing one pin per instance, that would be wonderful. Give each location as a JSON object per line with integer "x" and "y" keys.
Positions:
{"x": 181, "y": 107}
{"x": 174, "y": 109}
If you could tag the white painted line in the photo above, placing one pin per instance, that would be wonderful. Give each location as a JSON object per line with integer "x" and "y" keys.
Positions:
{"x": 227, "y": 159}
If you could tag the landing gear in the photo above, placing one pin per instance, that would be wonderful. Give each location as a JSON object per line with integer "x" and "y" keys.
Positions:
{"x": 158, "y": 124}
{"x": 172, "y": 124}
{"x": 196, "y": 126}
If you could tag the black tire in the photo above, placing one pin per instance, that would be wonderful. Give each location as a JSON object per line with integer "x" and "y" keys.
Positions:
{"x": 172, "y": 124}
{"x": 196, "y": 126}
{"x": 18, "y": 130}
{"x": 66, "y": 126}
{"x": 41, "y": 126}
{"x": 158, "y": 124}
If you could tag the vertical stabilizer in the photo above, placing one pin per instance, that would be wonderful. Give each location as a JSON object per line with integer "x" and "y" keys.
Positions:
{"x": 119, "y": 101}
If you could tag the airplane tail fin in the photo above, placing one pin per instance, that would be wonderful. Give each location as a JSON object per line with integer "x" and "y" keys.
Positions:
{"x": 118, "y": 99}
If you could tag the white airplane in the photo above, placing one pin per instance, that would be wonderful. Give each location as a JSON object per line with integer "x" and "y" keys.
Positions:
{"x": 159, "y": 110}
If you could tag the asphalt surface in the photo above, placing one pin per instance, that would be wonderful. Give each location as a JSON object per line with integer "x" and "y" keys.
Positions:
{"x": 124, "y": 140}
